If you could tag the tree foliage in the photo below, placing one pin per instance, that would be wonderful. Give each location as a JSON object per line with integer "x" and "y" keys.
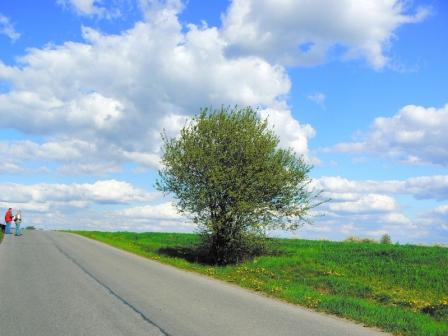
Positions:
{"x": 386, "y": 239}
{"x": 227, "y": 171}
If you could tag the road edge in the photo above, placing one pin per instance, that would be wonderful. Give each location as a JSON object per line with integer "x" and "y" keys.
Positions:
{"x": 232, "y": 284}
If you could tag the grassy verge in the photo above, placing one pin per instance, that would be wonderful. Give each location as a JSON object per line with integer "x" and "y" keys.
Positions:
{"x": 400, "y": 289}
{"x": 1, "y": 236}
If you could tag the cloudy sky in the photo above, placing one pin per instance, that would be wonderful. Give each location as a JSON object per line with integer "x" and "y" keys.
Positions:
{"x": 358, "y": 87}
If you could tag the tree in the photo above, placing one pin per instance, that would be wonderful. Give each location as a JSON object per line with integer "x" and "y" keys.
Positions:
{"x": 386, "y": 239}
{"x": 227, "y": 171}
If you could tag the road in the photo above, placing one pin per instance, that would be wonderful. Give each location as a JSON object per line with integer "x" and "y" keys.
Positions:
{"x": 60, "y": 284}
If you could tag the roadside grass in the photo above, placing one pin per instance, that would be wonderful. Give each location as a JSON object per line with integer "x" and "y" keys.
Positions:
{"x": 1, "y": 236}
{"x": 401, "y": 289}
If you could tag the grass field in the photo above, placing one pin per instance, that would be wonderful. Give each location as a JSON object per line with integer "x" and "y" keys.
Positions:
{"x": 400, "y": 289}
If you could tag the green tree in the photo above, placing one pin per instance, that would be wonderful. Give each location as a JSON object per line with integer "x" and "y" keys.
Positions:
{"x": 227, "y": 172}
{"x": 386, "y": 239}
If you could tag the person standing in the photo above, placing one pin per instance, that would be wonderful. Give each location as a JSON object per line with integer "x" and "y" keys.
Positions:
{"x": 17, "y": 221}
{"x": 8, "y": 220}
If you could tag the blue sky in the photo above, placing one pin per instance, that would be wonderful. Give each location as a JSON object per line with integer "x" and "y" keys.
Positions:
{"x": 358, "y": 88}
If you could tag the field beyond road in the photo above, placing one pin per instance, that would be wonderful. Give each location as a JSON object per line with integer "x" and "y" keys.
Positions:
{"x": 399, "y": 288}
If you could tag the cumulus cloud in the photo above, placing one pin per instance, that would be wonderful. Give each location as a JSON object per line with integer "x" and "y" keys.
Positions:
{"x": 79, "y": 195}
{"x": 7, "y": 28}
{"x": 364, "y": 204}
{"x": 72, "y": 157}
{"x": 291, "y": 133}
{"x": 415, "y": 135}
{"x": 90, "y": 8}
{"x": 7, "y": 166}
{"x": 102, "y": 205}
{"x": 156, "y": 217}
{"x": 109, "y": 97}
{"x": 361, "y": 208}
{"x": 304, "y": 32}
{"x": 435, "y": 224}
{"x": 98, "y": 104}
{"x": 438, "y": 216}
{"x": 164, "y": 211}
{"x": 421, "y": 187}
{"x": 371, "y": 208}
{"x": 360, "y": 212}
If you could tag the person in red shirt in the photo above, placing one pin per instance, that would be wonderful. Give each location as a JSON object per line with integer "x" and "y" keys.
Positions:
{"x": 8, "y": 220}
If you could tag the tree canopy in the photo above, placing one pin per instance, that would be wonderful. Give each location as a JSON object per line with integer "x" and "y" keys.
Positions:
{"x": 227, "y": 171}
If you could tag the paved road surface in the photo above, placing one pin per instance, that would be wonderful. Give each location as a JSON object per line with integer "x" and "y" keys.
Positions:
{"x": 59, "y": 284}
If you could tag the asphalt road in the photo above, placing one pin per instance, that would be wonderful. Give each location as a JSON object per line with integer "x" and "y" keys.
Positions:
{"x": 60, "y": 284}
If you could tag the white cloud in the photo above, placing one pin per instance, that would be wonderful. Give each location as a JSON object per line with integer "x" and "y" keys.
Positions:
{"x": 291, "y": 133}
{"x": 83, "y": 206}
{"x": 118, "y": 205}
{"x": 318, "y": 98}
{"x": 443, "y": 209}
{"x": 65, "y": 156}
{"x": 155, "y": 217}
{"x": 303, "y": 32}
{"x": 340, "y": 226}
{"x": 370, "y": 208}
{"x": 435, "y": 224}
{"x": 364, "y": 204}
{"x": 415, "y": 135}
{"x": 7, "y": 28}
{"x": 102, "y": 205}
{"x": 63, "y": 195}
{"x": 164, "y": 211}
{"x": 90, "y": 8}
{"x": 396, "y": 218}
{"x": 9, "y": 167}
{"x": 101, "y": 103}
{"x": 421, "y": 187}
{"x": 438, "y": 216}
{"x": 158, "y": 217}
{"x": 105, "y": 101}
{"x": 160, "y": 9}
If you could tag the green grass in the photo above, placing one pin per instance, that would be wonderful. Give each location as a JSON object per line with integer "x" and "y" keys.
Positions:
{"x": 400, "y": 289}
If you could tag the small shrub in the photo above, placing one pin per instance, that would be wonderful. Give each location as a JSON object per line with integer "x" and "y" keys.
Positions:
{"x": 354, "y": 239}
{"x": 438, "y": 311}
{"x": 385, "y": 239}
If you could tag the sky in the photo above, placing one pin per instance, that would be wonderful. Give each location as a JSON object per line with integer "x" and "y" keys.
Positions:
{"x": 357, "y": 87}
